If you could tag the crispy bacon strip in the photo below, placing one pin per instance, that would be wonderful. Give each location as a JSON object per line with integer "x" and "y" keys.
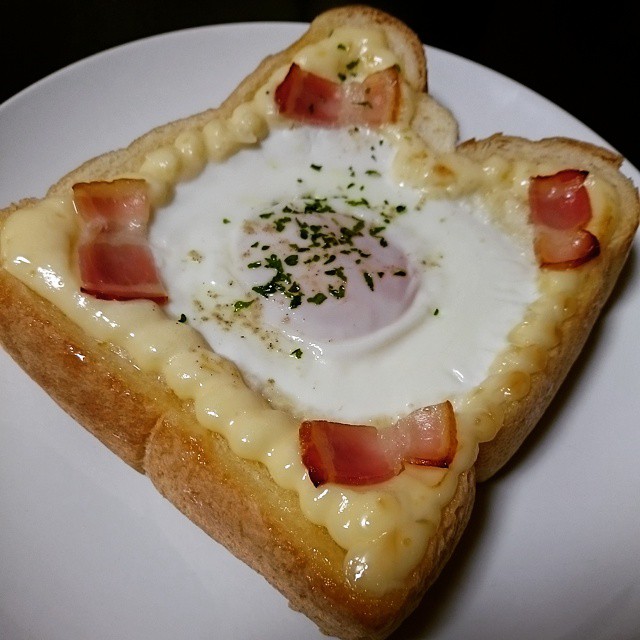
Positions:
{"x": 560, "y": 210}
{"x": 309, "y": 98}
{"x": 116, "y": 262}
{"x": 362, "y": 455}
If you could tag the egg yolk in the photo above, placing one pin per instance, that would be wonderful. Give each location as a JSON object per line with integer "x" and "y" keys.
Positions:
{"x": 324, "y": 276}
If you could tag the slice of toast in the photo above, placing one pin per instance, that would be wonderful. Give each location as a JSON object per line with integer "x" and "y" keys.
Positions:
{"x": 158, "y": 431}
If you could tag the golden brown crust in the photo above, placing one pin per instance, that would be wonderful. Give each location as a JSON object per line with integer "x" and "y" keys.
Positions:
{"x": 140, "y": 420}
{"x": 195, "y": 470}
{"x": 403, "y": 40}
{"x": 100, "y": 389}
{"x": 522, "y": 415}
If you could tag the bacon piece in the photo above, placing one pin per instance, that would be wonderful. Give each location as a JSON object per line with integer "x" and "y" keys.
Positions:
{"x": 362, "y": 455}
{"x": 561, "y": 200}
{"x": 307, "y": 97}
{"x": 560, "y": 211}
{"x": 116, "y": 262}
{"x": 565, "y": 248}
{"x": 430, "y": 435}
{"x": 345, "y": 453}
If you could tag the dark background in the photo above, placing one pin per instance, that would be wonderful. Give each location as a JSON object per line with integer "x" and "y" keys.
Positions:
{"x": 585, "y": 60}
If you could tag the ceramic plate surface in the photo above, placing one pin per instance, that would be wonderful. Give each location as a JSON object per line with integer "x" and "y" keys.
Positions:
{"x": 88, "y": 549}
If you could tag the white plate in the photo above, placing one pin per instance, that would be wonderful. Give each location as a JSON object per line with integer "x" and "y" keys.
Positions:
{"x": 88, "y": 549}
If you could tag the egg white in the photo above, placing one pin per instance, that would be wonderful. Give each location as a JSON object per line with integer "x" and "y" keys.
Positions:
{"x": 359, "y": 358}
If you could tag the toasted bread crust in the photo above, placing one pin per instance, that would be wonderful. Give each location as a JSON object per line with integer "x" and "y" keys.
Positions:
{"x": 195, "y": 470}
{"x": 403, "y": 41}
{"x": 102, "y": 391}
{"x": 522, "y": 415}
{"x": 145, "y": 424}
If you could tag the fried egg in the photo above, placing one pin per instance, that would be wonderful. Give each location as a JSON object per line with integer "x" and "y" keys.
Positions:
{"x": 338, "y": 291}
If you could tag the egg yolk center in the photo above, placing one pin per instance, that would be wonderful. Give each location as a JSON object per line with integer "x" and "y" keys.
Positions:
{"x": 324, "y": 276}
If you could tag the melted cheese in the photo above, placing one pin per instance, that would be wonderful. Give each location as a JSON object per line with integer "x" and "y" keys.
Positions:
{"x": 384, "y": 529}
